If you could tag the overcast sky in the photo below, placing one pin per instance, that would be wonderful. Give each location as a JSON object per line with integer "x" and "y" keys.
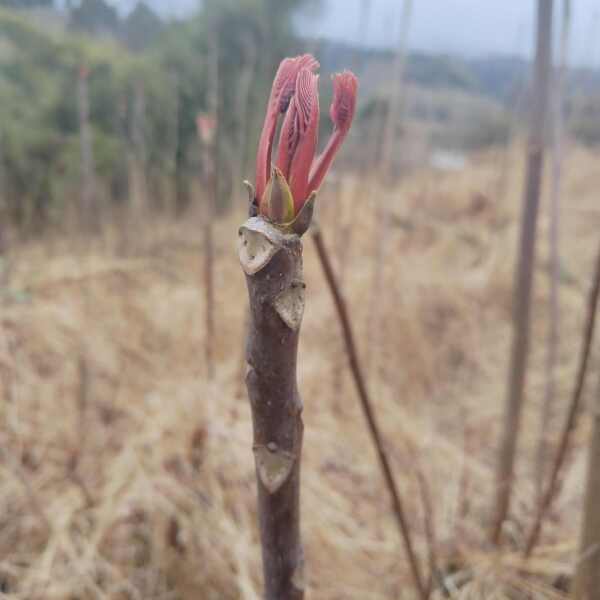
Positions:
{"x": 471, "y": 27}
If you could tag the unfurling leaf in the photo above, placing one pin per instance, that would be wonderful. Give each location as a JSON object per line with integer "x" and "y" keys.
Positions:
{"x": 278, "y": 203}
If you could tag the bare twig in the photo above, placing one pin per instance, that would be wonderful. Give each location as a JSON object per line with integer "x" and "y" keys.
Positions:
{"x": 368, "y": 411}
{"x": 464, "y": 485}
{"x": 429, "y": 523}
{"x": 342, "y": 243}
{"x": 524, "y": 271}
{"x": 82, "y": 431}
{"x": 553, "y": 486}
{"x": 587, "y": 575}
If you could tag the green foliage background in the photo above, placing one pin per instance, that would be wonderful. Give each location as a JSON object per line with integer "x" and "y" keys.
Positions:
{"x": 455, "y": 103}
{"x": 39, "y": 120}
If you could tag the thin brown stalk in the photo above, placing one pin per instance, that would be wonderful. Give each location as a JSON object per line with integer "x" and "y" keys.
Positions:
{"x": 171, "y": 202}
{"x": 587, "y": 575}
{"x": 88, "y": 179}
{"x": 209, "y": 145}
{"x": 553, "y": 486}
{"x": 82, "y": 400}
{"x": 342, "y": 242}
{"x": 272, "y": 263}
{"x": 369, "y": 412}
{"x": 548, "y": 407}
{"x": 429, "y": 524}
{"x": 137, "y": 155}
{"x": 209, "y": 295}
{"x": 242, "y": 108}
{"x": 3, "y": 202}
{"x": 4, "y": 219}
{"x": 524, "y": 272}
{"x": 464, "y": 484}
{"x": 82, "y": 431}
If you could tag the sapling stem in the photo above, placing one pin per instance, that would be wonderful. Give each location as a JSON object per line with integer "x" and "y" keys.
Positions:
{"x": 272, "y": 263}
{"x": 587, "y": 575}
{"x": 548, "y": 408}
{"x": 524, "y": 272}
{"x": 369, "y": 412}
{"x": 553, "y": 485}
{"x": 270, "y": 252}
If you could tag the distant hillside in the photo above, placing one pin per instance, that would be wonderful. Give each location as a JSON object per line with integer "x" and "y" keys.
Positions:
{"x": 497, "y": 77}
{"x": 452, "y": 103}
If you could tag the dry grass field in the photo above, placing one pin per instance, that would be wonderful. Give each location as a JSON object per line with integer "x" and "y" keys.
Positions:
{"x": 125, "y": 474}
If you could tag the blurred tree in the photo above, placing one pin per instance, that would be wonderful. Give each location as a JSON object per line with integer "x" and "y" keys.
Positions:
{"x": 95, "y": 16}
{"x": 141, "y": 28}
{"x": 41, "y": 138}
{"x": 39, "y": 121}
{"x": 524, "y": 271}
{"x": 27, "y": 3}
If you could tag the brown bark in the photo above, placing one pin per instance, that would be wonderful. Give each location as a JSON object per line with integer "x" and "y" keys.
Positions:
{"x": 369, "y": 413}
{"x": 553, "y": 486}
{"x": 587, "y": 575}
{"x": 272, "y": 263}
{"x": 524, "y": 271}
{"x": 241, "y": 373}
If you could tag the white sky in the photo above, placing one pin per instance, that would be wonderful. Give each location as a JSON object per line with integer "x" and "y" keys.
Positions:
{"x": 468, "y": 27}
{"x": 471, "y": 27}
